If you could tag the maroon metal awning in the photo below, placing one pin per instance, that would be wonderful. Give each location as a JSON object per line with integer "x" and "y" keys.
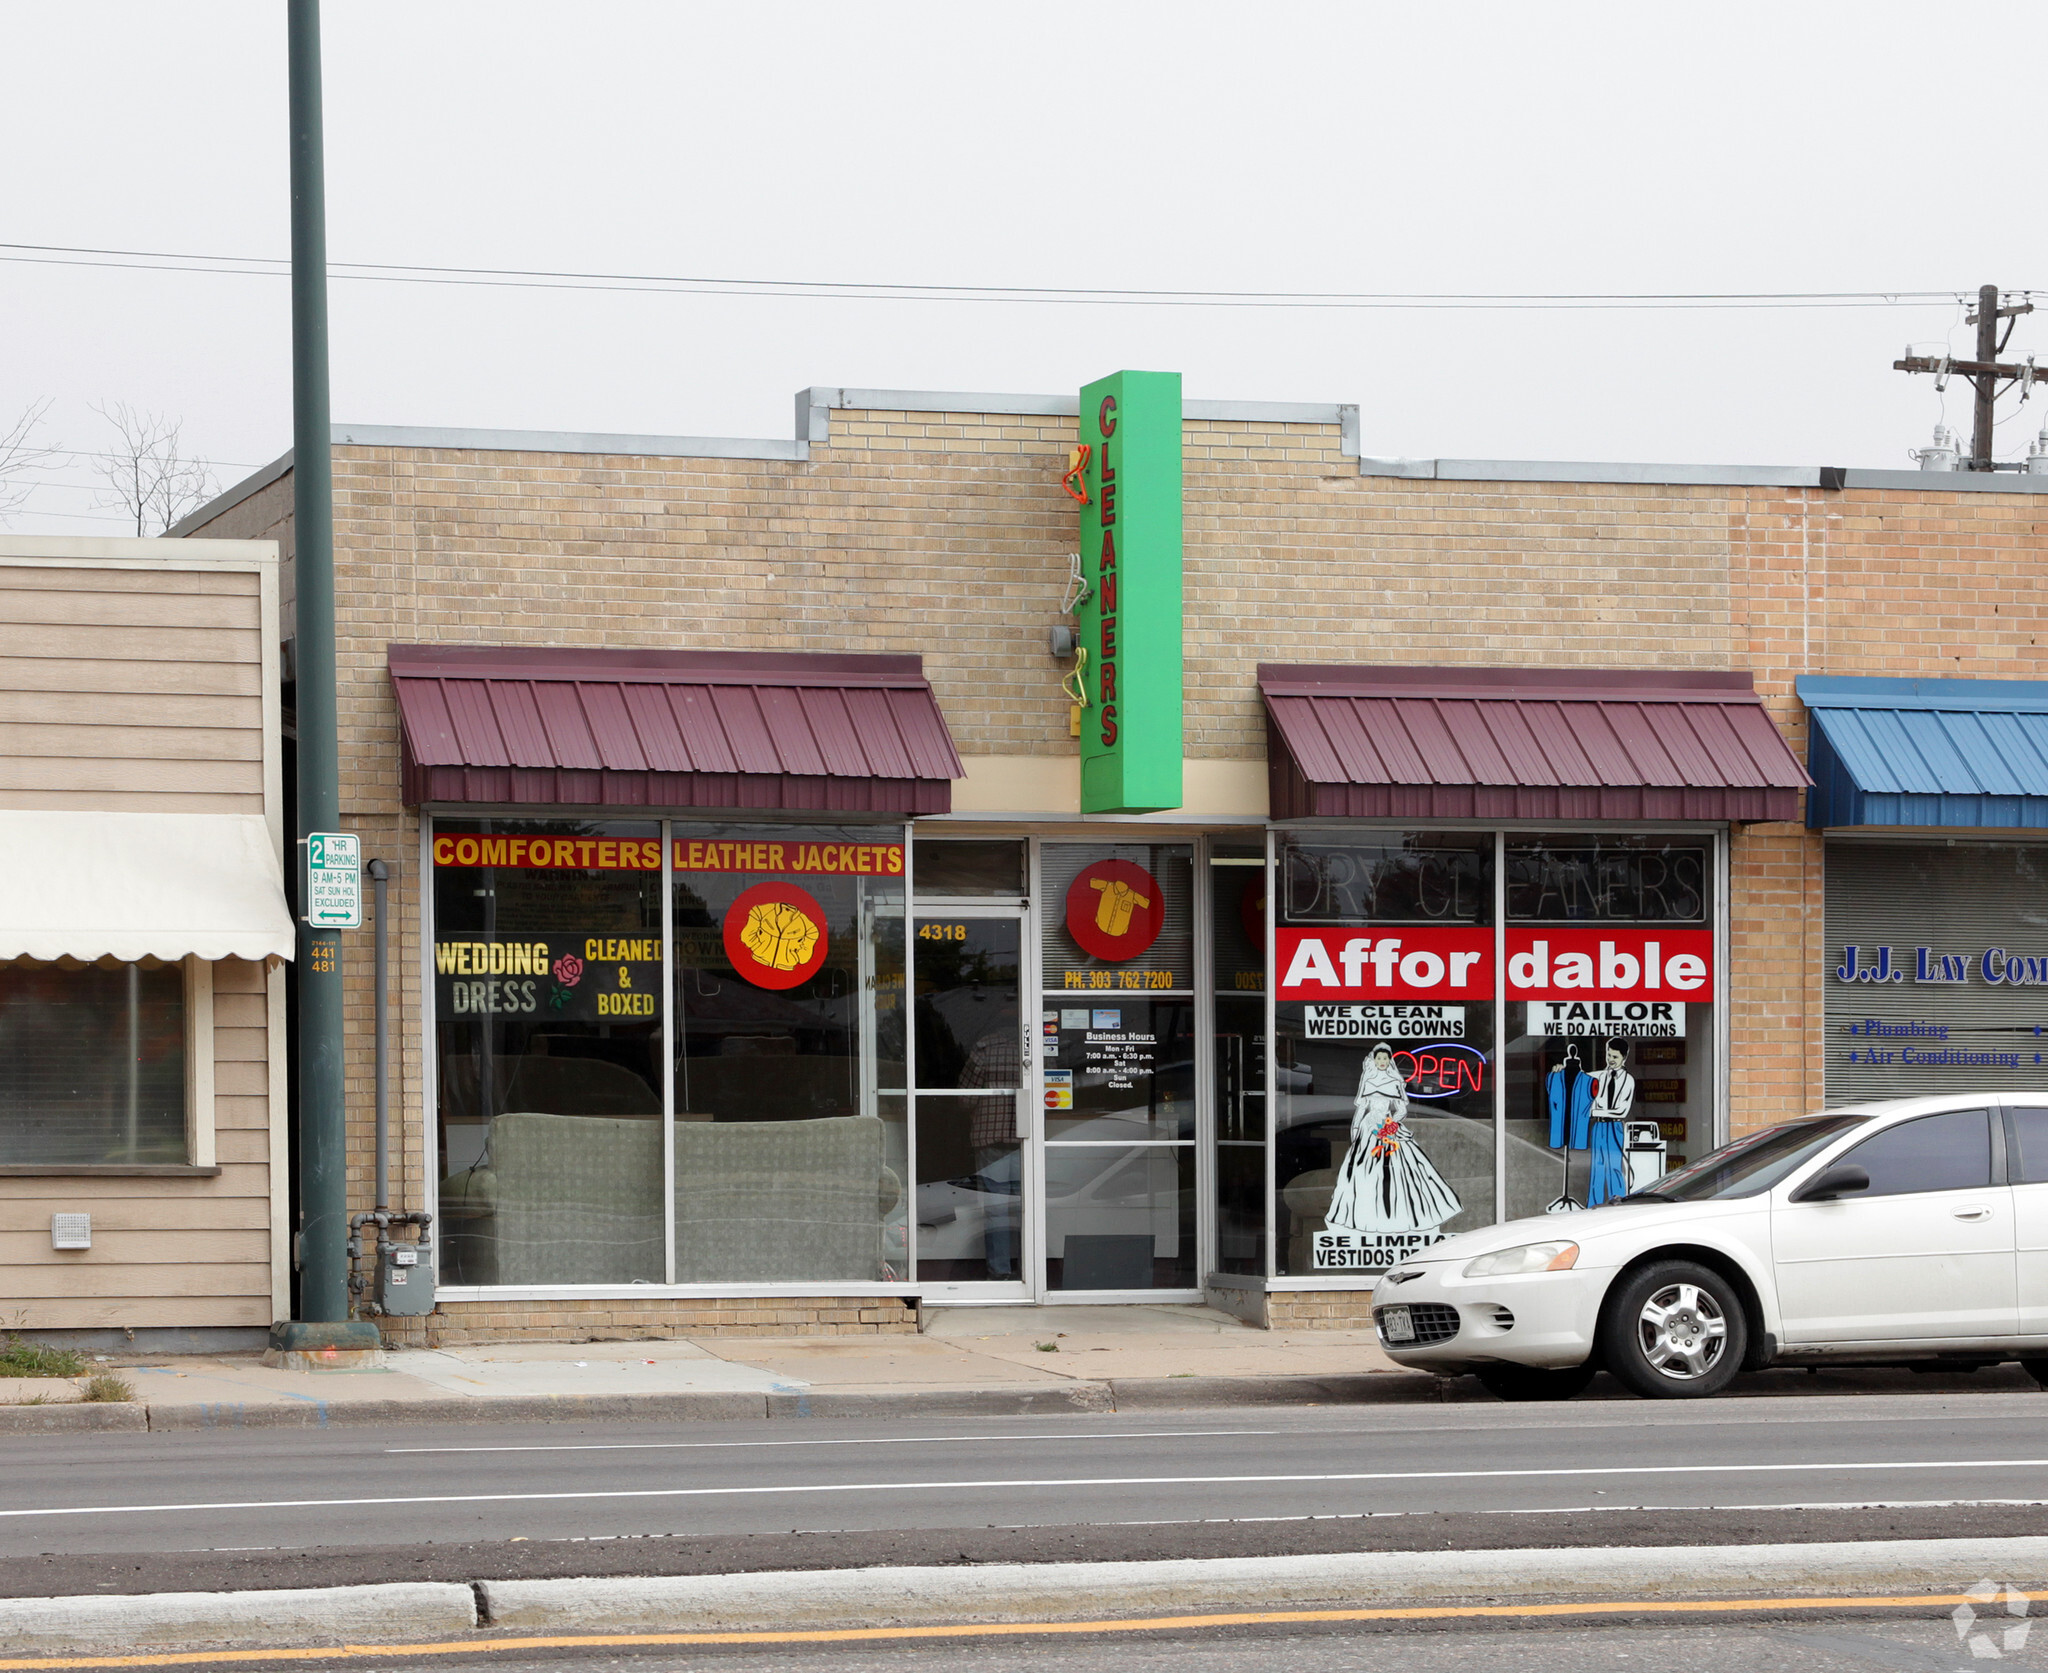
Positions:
{"x": 781, "y": 731}
{"x": 1363, "y": 742}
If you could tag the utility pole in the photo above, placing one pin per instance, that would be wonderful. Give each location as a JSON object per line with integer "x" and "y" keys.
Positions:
{"x": 321, "y": 1327}
{"x": 1985, "y": 373}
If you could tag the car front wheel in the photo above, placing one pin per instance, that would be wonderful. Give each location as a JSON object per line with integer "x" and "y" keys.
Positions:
{"x": 1674, "y": 1331}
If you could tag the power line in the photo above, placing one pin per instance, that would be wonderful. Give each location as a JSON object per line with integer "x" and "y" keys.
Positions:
{"x": 65, "y": 255}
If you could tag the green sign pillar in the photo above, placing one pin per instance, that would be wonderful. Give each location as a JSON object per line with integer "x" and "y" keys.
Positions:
{"x": 1130, "y": 622}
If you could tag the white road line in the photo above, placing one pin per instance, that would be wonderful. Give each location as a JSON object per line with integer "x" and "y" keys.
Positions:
{"x": 1067, "y": 1481}
{"x": 1548, "y": 1510}
{"x": 880, "y": 1440}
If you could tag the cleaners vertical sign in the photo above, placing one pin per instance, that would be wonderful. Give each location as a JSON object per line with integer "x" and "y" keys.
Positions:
{"x": 1130, "y": 622}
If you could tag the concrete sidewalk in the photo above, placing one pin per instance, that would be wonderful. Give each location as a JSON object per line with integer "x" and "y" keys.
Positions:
{"x": 969, "y": 1360}
{"x": 978, "y": 1361}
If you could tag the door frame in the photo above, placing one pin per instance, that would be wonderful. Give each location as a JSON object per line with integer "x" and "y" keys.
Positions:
{"x": 1204, "y": 1051}
{"x": 1028, "y": 1285}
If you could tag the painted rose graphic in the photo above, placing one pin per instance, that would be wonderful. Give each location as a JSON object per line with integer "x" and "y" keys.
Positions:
{"x": 568, "y": 972}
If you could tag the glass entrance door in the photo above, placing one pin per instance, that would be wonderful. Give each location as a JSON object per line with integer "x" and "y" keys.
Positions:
{"x": 968, "y": 1094}
{"x": 1117, "y": 1046}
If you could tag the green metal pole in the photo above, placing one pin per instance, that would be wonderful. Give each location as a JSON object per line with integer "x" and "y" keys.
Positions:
{"x": 322, "y": 1136}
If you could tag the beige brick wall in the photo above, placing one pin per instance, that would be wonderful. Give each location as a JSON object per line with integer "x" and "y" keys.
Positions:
{"x": 947, "y": 534}
{"x": 459, "y": 1323}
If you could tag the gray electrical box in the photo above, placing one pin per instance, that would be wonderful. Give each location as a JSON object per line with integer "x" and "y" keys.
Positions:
{"x": 405, "y": 1277}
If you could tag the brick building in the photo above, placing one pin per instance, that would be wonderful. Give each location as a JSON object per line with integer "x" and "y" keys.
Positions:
{"x": 1546, "y": 719}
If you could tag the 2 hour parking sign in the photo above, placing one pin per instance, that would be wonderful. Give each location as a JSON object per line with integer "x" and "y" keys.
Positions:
{"x": 334, "y": 880}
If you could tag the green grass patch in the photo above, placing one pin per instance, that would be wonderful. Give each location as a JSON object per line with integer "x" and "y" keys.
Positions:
{"x": 108, "y": 1387}
{"x": 30, "y": 1359}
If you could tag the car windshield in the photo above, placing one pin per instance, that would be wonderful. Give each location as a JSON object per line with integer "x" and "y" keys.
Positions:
{"x": 1751, "y": 1164}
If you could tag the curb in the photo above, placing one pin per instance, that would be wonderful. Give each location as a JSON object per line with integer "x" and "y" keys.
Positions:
{"x": 1114, "y": 1394}
{"x": 1019, "y": 1593}
{"x": 73, "y": 1415}
{"x": 1027, "y": 1592}
{"x": 225, "y": 1620}
{"x": 306, "y": 1413}
{"x": 1120, "y": 1394}
{"x": 1037, "y": 1399}
{"x": 1136, "y": 1394}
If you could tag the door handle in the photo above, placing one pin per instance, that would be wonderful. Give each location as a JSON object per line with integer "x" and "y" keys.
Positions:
{"x": 1972, "y": 1214}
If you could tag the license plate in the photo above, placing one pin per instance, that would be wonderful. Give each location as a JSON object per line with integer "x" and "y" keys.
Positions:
{"x": 1396, "y": 1324}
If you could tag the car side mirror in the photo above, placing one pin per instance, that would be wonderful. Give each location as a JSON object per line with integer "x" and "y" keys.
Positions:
{"x": 1837, "y": 1181}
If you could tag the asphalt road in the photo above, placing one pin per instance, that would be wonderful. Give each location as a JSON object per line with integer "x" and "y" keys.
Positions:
{"x": 858, "y": 1491}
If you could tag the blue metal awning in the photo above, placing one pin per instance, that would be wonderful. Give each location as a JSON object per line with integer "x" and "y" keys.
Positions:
{"x": 1955, "y": 753}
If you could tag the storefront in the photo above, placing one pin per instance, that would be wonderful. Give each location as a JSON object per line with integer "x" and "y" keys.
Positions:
{"x": 790, "y": 1047}
{"x": 1933, "y": 798}
{"x": 850, "y": 874}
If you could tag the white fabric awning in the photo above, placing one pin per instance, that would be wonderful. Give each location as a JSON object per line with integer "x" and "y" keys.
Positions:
{"x": 140, "y": 885}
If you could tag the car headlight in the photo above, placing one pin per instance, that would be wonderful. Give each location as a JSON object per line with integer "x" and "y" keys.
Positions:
{"x": 1527, "y": 1257}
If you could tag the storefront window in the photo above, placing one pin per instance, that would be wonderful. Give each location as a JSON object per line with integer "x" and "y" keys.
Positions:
{"x": 1611, "y": 990}
{"x": 1384, "y": 1055}
{"x": 1936, "y": 961}
{"x": 791, "y": 1140}
{"x": 547, "y": 1015}
{"x": 961, "y": 870}
{"x": 1237, "y": 908}
{"x": 563, "y": 1021}
{"x": 1117, "y": 1041}
{"x": 95, "y": 1057}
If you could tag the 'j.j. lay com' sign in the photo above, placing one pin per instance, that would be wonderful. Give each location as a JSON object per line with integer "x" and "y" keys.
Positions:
{"x": 1433, "y": 963}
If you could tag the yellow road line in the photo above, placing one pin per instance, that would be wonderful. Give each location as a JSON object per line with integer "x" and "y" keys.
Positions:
{"x": 1007, "y": 1629}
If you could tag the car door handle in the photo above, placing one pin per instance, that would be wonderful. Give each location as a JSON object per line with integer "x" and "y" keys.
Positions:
{"x": 1973, "y": 1214}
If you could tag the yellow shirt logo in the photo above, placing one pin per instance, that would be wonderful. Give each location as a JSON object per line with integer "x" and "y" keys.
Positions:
{"x": 1119, "y": 903}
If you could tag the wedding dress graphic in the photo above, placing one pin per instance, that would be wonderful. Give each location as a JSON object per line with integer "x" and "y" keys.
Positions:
{"x": 1386, "y": 1183}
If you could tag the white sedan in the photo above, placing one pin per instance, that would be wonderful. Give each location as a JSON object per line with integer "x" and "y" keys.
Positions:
{"x": 1905, "y": 1233}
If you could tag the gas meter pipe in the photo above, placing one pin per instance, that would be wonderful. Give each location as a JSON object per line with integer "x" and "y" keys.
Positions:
{"x": 380, "y": 878}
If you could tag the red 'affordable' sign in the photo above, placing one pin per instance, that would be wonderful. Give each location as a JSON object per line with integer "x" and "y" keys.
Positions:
{"x": 1432, "y": 963}
{"x": 1611, "y": 964}
{"x": 1426, "y": 963}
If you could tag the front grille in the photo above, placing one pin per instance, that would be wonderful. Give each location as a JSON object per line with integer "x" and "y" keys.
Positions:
{"x": 1434, "y": 1321}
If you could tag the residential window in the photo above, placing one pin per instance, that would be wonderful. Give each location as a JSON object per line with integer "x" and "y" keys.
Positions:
{"x": 96, "y": 1063}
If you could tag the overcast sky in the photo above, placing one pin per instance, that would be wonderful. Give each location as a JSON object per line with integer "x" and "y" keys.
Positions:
{"x": 1358, "y": 148}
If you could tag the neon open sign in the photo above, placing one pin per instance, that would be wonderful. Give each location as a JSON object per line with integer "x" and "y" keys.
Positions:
{"x": 1443, "y": 1070}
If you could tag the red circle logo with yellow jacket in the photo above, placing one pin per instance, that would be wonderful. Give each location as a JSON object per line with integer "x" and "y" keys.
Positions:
{"x": 1115, "y": 910}
{"x": 775, "y": 935}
